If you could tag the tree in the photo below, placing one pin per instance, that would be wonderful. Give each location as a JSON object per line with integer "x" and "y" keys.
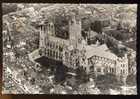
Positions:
{"x": 107, "y": 81}
{"x": 60, "y": 73}
{"x": 131, "y": 79}
{"x": 72, "y": 82}
{"x": 82, "y": 76}
{"x": 97, "y": 26}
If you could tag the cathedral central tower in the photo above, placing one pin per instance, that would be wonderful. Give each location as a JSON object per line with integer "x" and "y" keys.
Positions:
{"x": 74, "y": 30}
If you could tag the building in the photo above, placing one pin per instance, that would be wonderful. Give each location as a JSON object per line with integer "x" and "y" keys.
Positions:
{"x": 75, "y": 52}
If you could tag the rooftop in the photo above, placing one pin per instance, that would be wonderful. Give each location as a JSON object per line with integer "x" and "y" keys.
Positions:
{"x": 59, "y": 40}
{"x": 101, "y": 51}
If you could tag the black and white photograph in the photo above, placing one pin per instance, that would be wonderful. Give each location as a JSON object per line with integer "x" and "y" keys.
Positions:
{"x": 72, "y": 49}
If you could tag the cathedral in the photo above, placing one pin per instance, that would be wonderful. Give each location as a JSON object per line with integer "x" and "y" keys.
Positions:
{"x": 75, "y": 52}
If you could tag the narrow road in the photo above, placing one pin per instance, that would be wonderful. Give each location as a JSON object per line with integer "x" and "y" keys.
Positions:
{"x": 20, "y": 86}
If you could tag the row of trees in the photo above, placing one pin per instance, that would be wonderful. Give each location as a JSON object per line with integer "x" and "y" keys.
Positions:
{"x": 8, "y": 7}
{"x": 104, "y": 82}
{"x": 121, "y": 34}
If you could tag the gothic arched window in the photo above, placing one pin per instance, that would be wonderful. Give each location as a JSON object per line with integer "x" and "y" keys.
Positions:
{"x": 51, "y": 53}
{"x": 56, "y": 55}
